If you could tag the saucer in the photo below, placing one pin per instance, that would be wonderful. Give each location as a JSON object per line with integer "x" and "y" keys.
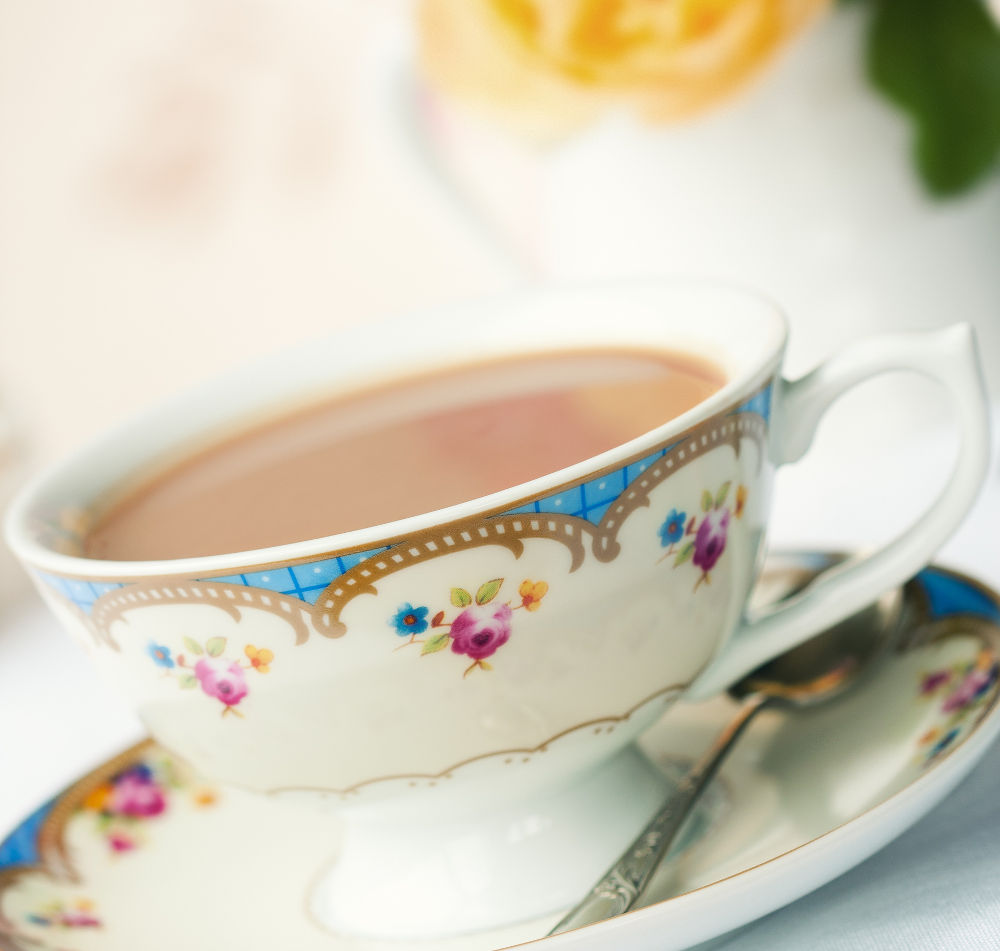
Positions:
{"x": 142, "y": 853}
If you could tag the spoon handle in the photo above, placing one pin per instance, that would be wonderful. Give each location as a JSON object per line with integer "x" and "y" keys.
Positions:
{"x": 625, "y": 882}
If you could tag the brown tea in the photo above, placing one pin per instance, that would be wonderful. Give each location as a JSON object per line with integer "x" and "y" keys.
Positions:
{"x": 412, "y": 446}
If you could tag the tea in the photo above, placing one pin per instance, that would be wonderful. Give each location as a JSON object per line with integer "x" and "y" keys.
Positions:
{"x": 406, "y": 447}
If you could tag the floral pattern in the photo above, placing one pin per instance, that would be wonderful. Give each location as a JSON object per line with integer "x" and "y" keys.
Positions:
{"x": 409, "y": 620}
{"x": 56, "y": 914}
{"x": 672, "y": 529}
{"x": 218, "y": 676}
{"x": 481, "y": 627}
{"x": 706, "y": 539}
{"x": 124, "y": 803}
{"x": 161, "y": 655}
{"x": 963, "y": 689}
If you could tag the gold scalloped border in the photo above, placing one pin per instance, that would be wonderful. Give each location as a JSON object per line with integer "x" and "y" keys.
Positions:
{"x": 51, "y": 844}
{"x": 113, "y": 605}
{"x": 598, "y": 725}
{"x": 509, "y": 530}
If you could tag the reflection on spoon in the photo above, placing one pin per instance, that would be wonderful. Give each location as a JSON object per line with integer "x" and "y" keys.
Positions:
{"x": 815, "y": 672}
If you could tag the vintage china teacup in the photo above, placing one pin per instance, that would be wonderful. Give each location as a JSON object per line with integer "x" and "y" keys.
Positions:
{"x": 466, "y": 684}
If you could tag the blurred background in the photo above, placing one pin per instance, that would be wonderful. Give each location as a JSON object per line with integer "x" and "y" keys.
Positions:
{"x": 185, "y": 185}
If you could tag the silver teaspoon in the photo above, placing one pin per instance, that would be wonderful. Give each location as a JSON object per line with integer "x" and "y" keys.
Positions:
{"x": 815, "y": 672}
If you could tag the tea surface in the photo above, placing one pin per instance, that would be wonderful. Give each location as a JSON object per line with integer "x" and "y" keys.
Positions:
{"x": 410, "y": 446}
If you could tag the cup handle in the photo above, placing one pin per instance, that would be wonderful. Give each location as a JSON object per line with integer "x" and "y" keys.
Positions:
{"x": 947, "y": 356}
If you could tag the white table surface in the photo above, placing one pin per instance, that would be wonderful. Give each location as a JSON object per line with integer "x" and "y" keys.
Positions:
{"x": 933, "y": 888}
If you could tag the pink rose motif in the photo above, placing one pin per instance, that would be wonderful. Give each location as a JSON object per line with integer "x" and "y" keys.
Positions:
{"x": 967, "y": 691}
{"x": 120, "y": 842}
{"x": 480, "y": 630}
{"x": 935, "y": 681}
{"x": 222, "y": 679}
{"x": 134, "y": 794}
{"x": 78, "y": 919}
{"x": 710, "y": 542}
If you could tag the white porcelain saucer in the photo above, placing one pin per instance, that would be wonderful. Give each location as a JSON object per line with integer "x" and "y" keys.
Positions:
{"x": 139, "y": 853}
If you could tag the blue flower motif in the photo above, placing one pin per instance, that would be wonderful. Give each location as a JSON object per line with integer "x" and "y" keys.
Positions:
{"x": 672, "y": 530}
{"x": 409, "y": 620}
{"x": 945, "y": 742}
{"x": 139, "y": 771}
{"x": 161, "y": 655}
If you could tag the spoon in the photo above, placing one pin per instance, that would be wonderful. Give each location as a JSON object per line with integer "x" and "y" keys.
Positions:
{"x": 817, "y": 671}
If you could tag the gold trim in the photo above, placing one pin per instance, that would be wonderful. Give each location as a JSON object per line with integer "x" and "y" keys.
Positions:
{"x": 509, "y": 530}
{"x": 960, "y": 622}
{"x": 666, "y": 693}
{"x": 97, "y": 634}
{"x": 229, "y": 598}
{"x": 390, "y": 540}
{"x": 53, "y": 855}
{"x": 729, "y": 430}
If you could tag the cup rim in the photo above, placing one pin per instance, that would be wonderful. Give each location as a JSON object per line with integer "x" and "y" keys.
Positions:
{"x": 35, "y": 554}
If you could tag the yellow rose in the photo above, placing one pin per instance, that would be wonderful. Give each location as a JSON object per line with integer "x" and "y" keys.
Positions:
{"x": 550, "y": 65}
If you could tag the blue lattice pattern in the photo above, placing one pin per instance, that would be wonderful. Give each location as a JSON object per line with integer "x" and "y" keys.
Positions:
{"x": 306, "y": 582}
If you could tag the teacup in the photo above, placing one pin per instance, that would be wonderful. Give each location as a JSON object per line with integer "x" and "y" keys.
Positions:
{"x": 588, "y": 601}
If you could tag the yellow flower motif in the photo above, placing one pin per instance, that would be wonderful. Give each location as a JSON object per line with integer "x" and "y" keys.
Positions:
{"x": 532, "y": 593}
{"x": 205, "y": 796}
{"x": 260, "y": 658}
{"x": 98, "y": 798}
{"x": 741, "y": 500}
{"x": 548, "y": 66}
{"x": 985, "y": 659}
{"x": 930, "y": 736}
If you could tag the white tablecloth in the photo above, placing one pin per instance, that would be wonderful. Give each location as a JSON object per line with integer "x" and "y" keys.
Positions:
{"x": 934, "y": 888}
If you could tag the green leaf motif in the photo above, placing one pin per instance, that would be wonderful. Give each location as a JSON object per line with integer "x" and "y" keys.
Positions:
{"x": 706, "y": 500}
{"x": 684, "y": 554}
{"x": 215, "y": 646}
{"x": 460, "y": 597}
{"x": 435, "y": 643}
{"x": 187, "y": 681}
{"x": 485, "y": 665}
{"x": 193, "y": 646}
{"x": 720, "y": 496}
{"x": 488, "y": 591}
{"x": 939, "y": 61}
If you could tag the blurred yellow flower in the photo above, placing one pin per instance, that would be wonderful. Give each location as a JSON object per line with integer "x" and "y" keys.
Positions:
{"x": 205, "y": 796}
{"x": 547, "y": 66}
{"x": 98, "y": 797}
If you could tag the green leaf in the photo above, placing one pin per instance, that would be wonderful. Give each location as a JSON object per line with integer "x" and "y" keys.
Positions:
{"x": 485, "y": 665}
{"x": 706, "y": 500}
{"x": 193, "y": 646}
{"x": 488, "y": 591}
{"x": 435, "y": 643}
{"x": 684, "y": 554}
{"x": 460, "y": 597}
{"x": 215, "y": 646}
{"x": 187, "y": 681}
{"x": 720, "y": 496}
{"x": 939, "y": 61}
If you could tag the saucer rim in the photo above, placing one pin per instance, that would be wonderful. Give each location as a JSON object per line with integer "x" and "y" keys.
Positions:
{"x": 962, "y": 758}
{"x": 905, "y": 807}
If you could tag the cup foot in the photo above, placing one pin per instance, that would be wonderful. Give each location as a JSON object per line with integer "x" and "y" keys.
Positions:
{"x": 477, "y": 861}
